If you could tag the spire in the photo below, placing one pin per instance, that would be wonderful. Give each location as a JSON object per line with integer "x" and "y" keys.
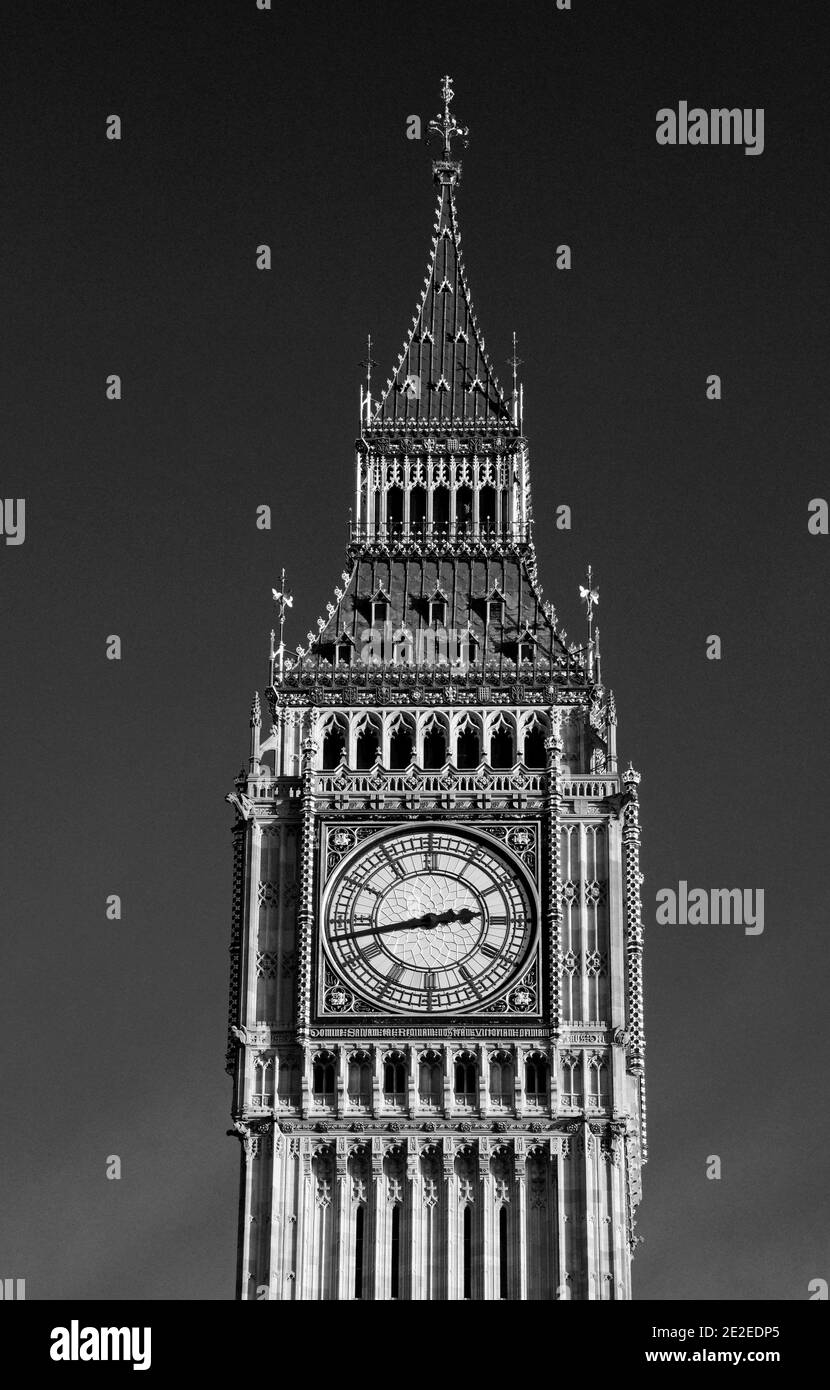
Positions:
{"x": 443, "y": 376}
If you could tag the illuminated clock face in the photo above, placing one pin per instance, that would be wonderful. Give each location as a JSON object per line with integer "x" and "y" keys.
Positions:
{"x": 428, "y": 921}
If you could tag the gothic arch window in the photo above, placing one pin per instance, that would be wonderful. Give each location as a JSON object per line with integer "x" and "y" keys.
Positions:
{"x": 468, "y": 744}
{"x": 323, "y": 1074}
{"x": 464, "y": 508}
{"x": 360, "y": 1078}
{"x": 537, "y": 1074}
{"x": 598, "y": 1071}
{"x": 502, "y": 745}
{"x": 466, "y": 1076}
{"x": 534, "y": 747}
{"x": 501, "y": 1078}
{"x": 440, "y": 509}
{"x": 487, "y": 515}
{"x": 571, "y": 1080}
{"x": 430, "y": 1078}
{"x": 394, "y": 1078}
{"x": 417, "y": 508}
{"x": 394, "y": 509}
{"x": 367, "y": 745}
{"x": 435, "y": 744}
{"x": 401, "y": 744}
{"x": 288, "y": 1082}
{"x": 334, "y": 743}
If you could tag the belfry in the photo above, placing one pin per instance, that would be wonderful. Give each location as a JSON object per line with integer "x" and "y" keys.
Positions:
{"x": 436, "y": 1006}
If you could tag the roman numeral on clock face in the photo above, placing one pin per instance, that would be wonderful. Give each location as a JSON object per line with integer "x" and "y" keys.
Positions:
{"x": 395, "y": 974}
{"x": 372, "y": 950}
{"x": 488, "y": 950}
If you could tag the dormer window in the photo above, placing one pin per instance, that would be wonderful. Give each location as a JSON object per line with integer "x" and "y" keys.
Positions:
{"x": 526, "y": 647}
{"x": 381, "y": 609}
{"x": 495, "y": 607}
{"x": 343, "y": 649}
{"x": 437, "y": 609}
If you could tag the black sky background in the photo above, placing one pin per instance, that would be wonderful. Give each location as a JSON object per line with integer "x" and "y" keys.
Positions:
{"x": 241, "y": 388}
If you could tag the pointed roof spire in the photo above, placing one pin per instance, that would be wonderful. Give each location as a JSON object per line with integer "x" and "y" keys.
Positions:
{"x": 443, "y": 376}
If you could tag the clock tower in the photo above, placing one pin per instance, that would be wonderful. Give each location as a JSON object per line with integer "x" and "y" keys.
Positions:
{"x": 436, "y": 1010}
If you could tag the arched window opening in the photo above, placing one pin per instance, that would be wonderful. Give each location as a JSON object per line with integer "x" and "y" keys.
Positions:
{"x": 394, "y": 1078}
{"x": 503, "y": 1253}
{"x": 468, "y": 748}
{"x": 394, "y": 509}
{"x": 487, "y": 509}
{"x": 441, "y": 509}
{"x": 367, "y": 746}
{"x": 360, "y": 1078}
{"x": 400, "y": 747}
{"x": 430, "y": 1079}
{"x": 465, "y": 1076}
{"x": 534, "y": 754}
{"x": 323, "y": 1076}
{"x": 501, "y": 1078}
{"x": 464, "y": 509}
{"x": 526, "y": 650}
{"x": 501, "y": 747}
{"x": 334, "y": 744}
{"x": 417, "y": 509}
{"x": 435, "y": 746}
{"x": 537, "y": 1074}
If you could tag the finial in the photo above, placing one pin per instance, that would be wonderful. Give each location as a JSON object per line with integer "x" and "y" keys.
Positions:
{"x": 284, "y": 600}
{"x": 256, "y": 711}
{"x": 590, "y": 597}
{"x": 447, "y": 129}
{"x": 369, "y": 363}
{"x": 515, "y": 362}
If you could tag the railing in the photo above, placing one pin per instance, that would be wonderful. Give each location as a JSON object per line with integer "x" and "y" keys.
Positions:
{"x": 594, "y": 787}
{"x": 447, "y": 779}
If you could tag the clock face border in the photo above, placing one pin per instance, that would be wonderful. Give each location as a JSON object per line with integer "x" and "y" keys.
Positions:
{"x": 521, "y": 882}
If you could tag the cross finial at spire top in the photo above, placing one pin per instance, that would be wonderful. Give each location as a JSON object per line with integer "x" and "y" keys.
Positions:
{"x": 446, "y": 128}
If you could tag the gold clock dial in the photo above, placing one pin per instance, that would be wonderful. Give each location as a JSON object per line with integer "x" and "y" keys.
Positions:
{"x": 428, "y": 920}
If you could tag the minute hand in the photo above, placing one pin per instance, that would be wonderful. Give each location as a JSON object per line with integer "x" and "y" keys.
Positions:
{"x": 425, "y": 923}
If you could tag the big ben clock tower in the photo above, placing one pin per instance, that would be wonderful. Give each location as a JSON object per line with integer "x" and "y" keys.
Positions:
{"x": 436, "y": 1018}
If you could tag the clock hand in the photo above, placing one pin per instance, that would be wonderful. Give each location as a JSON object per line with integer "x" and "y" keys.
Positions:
{"x": 425, "y": 923}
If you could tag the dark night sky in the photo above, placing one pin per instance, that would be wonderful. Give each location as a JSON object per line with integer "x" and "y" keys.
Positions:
{"x": 241, "y": 387}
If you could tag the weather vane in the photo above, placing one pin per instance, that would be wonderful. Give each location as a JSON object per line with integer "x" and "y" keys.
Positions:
{"x": 284, "y": 600}
{"x": 446, "y": 127}
{"x": 514, "y": 362}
